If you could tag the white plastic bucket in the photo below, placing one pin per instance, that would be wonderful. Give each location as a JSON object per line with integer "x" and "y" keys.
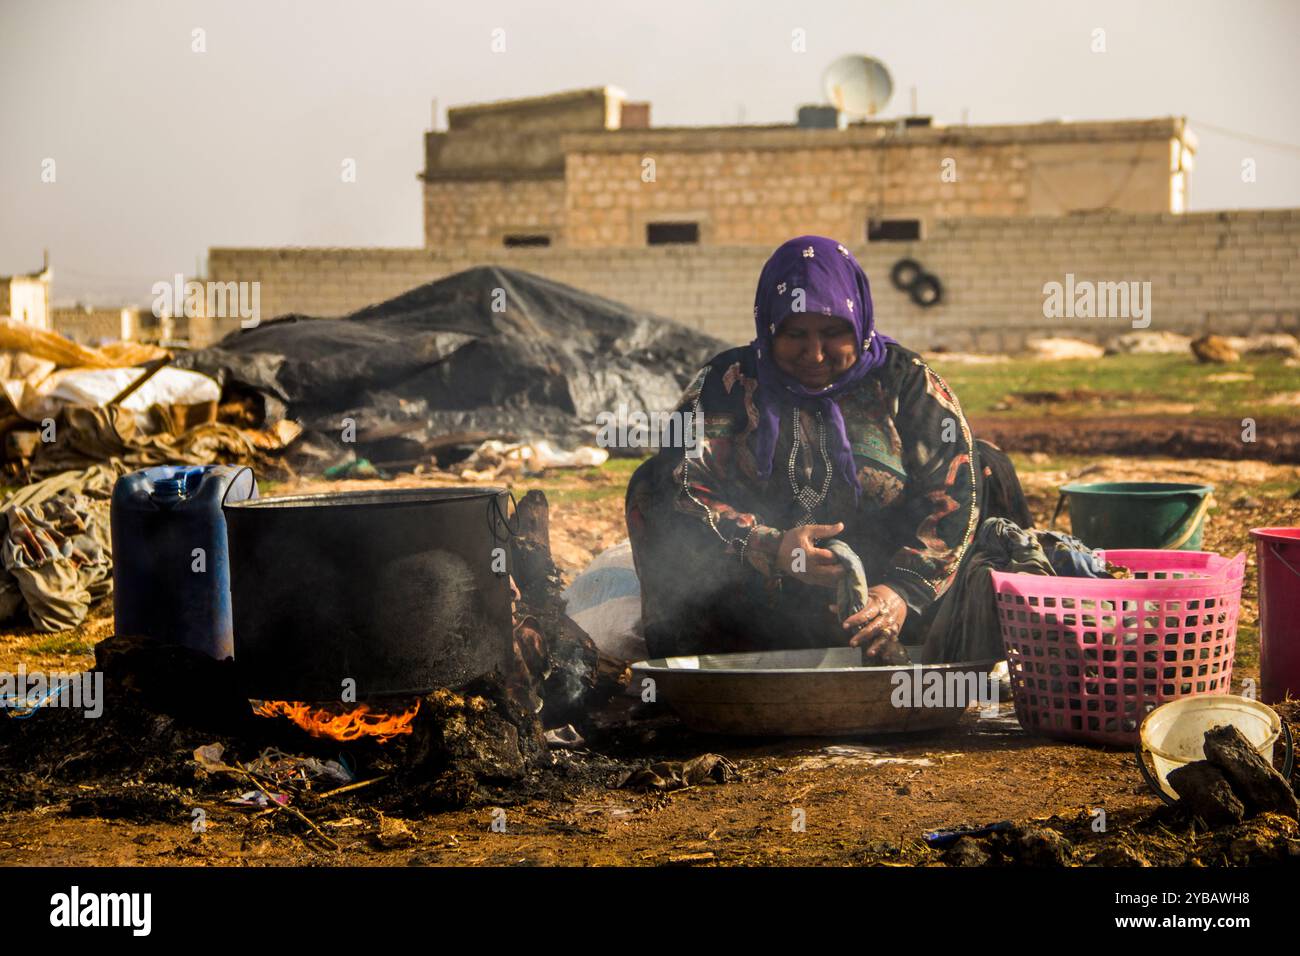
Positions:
{"x": 1174, "y": 733}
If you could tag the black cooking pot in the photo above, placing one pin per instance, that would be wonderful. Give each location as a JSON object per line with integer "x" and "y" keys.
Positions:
{"x": 400, "y": 591}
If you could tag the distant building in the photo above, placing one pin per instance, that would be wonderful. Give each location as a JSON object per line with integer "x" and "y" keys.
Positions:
{"x": 26, "y": 298}
{"x": 585, "y": 168}
{"x": 97, "y": 326}
{"x": 580, "y": 188}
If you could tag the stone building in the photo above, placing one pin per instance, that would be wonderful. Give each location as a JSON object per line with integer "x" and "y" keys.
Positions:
{"x": 26, "y": 298}
{"x": 579, "y": 187}
{"x": 586, "y": 169}
{"x": 92, "y": 326}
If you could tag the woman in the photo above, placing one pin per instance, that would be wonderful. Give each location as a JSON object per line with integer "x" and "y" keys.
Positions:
{"x": 819, "y": 428}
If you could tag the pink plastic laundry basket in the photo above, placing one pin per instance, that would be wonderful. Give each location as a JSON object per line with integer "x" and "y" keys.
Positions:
{"x": 1089, "y": 658}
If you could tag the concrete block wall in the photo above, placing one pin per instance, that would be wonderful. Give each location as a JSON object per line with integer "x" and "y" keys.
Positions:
{"x": 91, "y": 326}
{"x": 483, "y": 213}
{"x": 1233, "y": 272}
{"x": 759, "y": 196}
{"x": 756, "y": 185}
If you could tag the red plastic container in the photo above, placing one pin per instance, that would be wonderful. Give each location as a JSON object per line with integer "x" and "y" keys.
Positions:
{"x": 1278, "y": 554}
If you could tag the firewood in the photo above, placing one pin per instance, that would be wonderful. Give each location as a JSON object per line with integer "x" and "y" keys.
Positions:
{"x": 569, "y": 675}
{"x": 533, "y": 568}
{"x": 1252, "y": 778}
{"x": 1204, "y": 792}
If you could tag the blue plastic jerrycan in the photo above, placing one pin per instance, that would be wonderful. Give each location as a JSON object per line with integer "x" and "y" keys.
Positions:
{"x": 171, "y": 564}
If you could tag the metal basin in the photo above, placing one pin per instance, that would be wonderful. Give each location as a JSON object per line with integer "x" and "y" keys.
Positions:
{"x": 806, "y": 693}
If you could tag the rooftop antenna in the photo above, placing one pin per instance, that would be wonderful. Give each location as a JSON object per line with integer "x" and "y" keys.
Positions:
{"x": 857, "y": 86}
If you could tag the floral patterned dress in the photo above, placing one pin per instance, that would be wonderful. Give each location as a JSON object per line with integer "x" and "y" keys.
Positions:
{"x": 705, "y": 529}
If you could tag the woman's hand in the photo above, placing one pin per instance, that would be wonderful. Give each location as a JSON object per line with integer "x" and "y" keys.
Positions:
{"x": 817, "y": 565}
{"x": 877, "y": 626}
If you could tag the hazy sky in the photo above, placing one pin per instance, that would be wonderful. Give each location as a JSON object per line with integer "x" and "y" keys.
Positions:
{"x": 161, "y": 152}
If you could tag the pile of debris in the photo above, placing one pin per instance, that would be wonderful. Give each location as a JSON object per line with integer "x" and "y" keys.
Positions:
{"x": 72, "y": 421}
{"x": 1234, "y": 809}
{"x": 176, "y": 733}
{"x": 66, "y": 407}
{"x": 556, "y": 664}
{"x": 1165, "y": 838}
{"x": 486, "y": 354}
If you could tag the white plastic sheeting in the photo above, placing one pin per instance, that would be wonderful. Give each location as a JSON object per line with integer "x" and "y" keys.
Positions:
{"x": 168, "y": 386}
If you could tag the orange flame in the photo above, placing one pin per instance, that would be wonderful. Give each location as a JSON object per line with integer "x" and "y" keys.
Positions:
{"x": 330, "y": 720}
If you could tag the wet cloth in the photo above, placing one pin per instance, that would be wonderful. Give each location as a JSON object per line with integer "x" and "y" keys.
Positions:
{"x": 696, "y": 601}
{"x": 851, "y": 594}
{"x": 965, "y": 627}
{"x": 1070, "y": 557}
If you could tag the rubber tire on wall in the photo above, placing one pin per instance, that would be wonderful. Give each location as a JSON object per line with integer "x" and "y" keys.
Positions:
{"x": 905, "y": 273}
{"x": 920, "y": 284}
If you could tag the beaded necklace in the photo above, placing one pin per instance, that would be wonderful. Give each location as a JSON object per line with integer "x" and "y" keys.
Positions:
{"x": 805, "y": 496}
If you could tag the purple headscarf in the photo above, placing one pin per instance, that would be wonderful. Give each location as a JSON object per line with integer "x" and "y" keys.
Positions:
{"x": 818, "y": 275}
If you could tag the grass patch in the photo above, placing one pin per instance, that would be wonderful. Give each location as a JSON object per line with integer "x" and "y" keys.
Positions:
{"x": 1127, "y": 384}
{"x": 1283, "y": 488}
{"x": 566, "y": 496}
{"x": 1026, "y": 465}
{"x": 62, "y": 644}
{"x": 601, "y": 483}
{"x": 614, "y": 468}
{"x": 1247, "y": 654}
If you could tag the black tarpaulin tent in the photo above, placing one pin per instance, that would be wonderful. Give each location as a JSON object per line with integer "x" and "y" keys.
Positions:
{"x": 486, "y": 351}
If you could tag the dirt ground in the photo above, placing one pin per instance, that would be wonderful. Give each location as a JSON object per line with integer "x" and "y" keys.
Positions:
{"x": 859, "y": 802}
{"x": 863, "y": 801}
{"x": 1275, "y": 440}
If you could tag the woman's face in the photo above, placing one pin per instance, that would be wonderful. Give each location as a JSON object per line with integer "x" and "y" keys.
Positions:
{"x": 815, "y": 349}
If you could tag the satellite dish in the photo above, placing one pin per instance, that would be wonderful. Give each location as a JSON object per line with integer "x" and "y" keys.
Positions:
{"x": 858, "y": 86}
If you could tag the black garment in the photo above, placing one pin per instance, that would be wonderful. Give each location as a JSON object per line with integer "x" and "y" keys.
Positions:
{"x": 1003, "y": 496}
{"x": 966, "y": 627}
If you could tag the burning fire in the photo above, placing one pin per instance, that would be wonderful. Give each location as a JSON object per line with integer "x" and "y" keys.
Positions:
{"x": 333, "y": 720}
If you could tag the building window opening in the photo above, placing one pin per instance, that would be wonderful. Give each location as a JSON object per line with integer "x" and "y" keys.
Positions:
{"x": 517, "y": 241}
{"x": 672, "y": 233}
{"x": 893, "y": 230}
